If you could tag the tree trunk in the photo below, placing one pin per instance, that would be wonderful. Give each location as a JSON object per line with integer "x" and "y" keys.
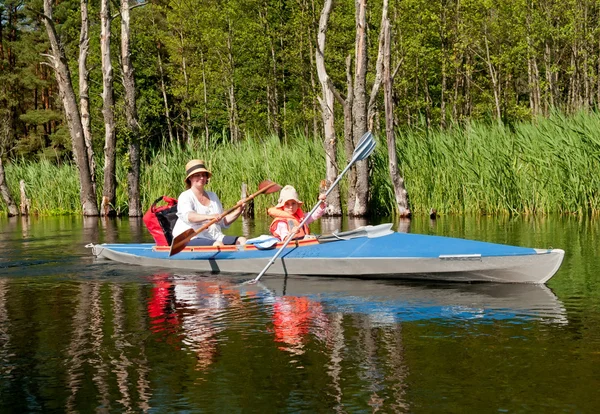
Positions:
{"x": 494, "y": 78}
{"x": 133, "y": 173}
{"x": 84, "y": 99}
{"x": 549, "y": 92}
{"x": 444, "y": 55}
{"x": 205, "y": 96}
{"x": 347, "y": 104}
{"x": 397, "y": 180}
{"x": 378, "y": 69}
{"x": 109, "y": 190}
{"x": 58, "y": 61}
{"x": 10, "y": 203}
{"x": 233, "y": 112}
{"x": 327, "y": 101}
{"x": 359, "y": 110}
{"x": 186, "y": 125}
{"x": 163, "y": 90}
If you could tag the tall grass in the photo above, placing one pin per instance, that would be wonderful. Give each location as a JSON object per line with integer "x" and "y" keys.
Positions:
{"x": 550, "y": 165}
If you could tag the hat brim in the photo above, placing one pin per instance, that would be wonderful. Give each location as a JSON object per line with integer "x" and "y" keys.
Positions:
{"x": 282, "y": 203}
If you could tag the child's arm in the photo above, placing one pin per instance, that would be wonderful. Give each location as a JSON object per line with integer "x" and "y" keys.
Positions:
{"x": 281, "y": 231}
{"x": 319, "y": 211}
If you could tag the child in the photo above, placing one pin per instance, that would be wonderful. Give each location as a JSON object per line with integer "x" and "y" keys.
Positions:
{"x": 288, "y": 215}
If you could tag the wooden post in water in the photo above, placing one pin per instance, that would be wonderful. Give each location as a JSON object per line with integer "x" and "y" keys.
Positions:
{"x": 25, "y": 203}
{"x": 249, "y": 210}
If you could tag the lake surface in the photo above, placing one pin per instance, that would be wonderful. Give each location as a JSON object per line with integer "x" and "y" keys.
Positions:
{"x": 79, "y": 335}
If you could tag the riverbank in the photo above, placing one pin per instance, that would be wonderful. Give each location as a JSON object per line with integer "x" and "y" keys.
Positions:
{"x": 549, "y": 166}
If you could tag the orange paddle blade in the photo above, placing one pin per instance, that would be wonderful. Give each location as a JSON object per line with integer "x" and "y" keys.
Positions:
{"x": 268, "y": 187}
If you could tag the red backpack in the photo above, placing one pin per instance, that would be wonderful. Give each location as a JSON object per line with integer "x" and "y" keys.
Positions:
{"x": 161, "y": 220}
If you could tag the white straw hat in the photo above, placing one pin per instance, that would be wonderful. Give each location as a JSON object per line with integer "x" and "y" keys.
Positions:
{"x": 288, "y": 193}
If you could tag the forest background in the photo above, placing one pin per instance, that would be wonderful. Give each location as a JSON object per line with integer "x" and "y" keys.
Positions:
{"x": 495, "y": 103}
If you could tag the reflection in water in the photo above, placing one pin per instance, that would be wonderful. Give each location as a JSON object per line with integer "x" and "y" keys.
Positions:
{"x": 6, "y": 366}
{"x": 109, "y": 227}
{"x": 330, "y": 224}
{"x": 292, "y": 320}
{"x": 88, "y": 348}
{"x": 25, "y": 227}
{"x": 90, "y": 230}
{"x": 335, "y": 344}
{"x": 78, "y": 345}
{"x": 203, "y": 307}
{"x": 404, "y": 225}
{"x": 157, "y": 342}
{"x": 390, "y": 302}
{"x": 161, "y": 305}
{"x": 120, "y": 362}
{"x": 356, "y": 222}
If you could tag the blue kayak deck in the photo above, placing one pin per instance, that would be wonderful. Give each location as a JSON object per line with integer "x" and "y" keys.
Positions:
{"x": 400, "y": 245}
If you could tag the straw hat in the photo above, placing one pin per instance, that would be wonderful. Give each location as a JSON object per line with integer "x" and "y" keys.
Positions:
{"x": 195, "y": 167}
{"x": 287, "y": 193}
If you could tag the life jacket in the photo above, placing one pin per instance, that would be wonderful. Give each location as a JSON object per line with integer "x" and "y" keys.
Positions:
{"x": 292, "y": 220}
{"x": 160, "y": 220}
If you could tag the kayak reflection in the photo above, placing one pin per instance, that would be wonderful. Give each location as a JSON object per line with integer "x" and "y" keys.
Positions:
{"x": 395, "y": 301}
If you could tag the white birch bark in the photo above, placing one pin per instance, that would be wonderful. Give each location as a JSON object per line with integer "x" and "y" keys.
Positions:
{"x": 133, "y": 173}
{"x": 58, "y": 60}
{"x": 109, "y": 189}
{"x": 327, "y": 113}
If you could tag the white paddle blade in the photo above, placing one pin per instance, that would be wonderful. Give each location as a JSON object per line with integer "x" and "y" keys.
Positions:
{"x": 364, "y": 148}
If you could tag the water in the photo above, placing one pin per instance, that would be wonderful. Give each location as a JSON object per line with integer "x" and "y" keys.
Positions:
{"x": 78, "y": 335}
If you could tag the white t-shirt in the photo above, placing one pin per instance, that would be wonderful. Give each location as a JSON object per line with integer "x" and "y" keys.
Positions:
{"x": 186, "y": 203}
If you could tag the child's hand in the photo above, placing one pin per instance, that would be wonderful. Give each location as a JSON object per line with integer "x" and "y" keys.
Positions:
{"x": 322, "y": 198}
{"x": 295, "y": 229}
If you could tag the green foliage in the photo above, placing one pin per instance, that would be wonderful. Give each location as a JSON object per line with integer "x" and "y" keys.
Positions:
{"x": 40, "y": 116}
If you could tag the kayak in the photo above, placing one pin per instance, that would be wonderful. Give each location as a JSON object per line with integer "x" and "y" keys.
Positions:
{"x": 366, "y": 252}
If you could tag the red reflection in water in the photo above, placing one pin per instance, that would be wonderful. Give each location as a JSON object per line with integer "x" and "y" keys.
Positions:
{"x": 292, "y": 319}
{"x": 161, "y": 305}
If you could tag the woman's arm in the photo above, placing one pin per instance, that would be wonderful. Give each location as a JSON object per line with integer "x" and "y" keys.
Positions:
{"x": 231, "y": 217}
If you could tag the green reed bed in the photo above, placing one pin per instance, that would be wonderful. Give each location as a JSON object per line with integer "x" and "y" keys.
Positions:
{"x": 550, "y": 165}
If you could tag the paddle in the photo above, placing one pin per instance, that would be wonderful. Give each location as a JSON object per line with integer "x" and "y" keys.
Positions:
{"x": 365, "y": 147}
{"x": 184, "y": 238}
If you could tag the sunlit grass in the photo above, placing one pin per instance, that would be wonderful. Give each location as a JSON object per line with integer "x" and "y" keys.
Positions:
{"x": 549, "y": 166}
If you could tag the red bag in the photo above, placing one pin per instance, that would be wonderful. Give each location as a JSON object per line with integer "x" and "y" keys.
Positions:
{"x": 161, "y": 220}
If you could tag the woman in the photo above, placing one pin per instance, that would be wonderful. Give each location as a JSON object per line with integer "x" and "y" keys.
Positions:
{"x": 196, "y": 206}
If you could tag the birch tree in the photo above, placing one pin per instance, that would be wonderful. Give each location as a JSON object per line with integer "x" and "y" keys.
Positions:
{"x": 59, "y": 63}
{"x": 327, "y": 101}
{"x": 84, "y": 87}
{"x": 133, "y": 173}
{"x": 5, "y": 137}
{"x": 400, "y": 193}
{"x": 359, "y": 110}
{"x": 109, "y": 190}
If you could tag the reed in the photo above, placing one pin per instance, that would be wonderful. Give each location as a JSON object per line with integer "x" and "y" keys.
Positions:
{"x": 550, "y": 165}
